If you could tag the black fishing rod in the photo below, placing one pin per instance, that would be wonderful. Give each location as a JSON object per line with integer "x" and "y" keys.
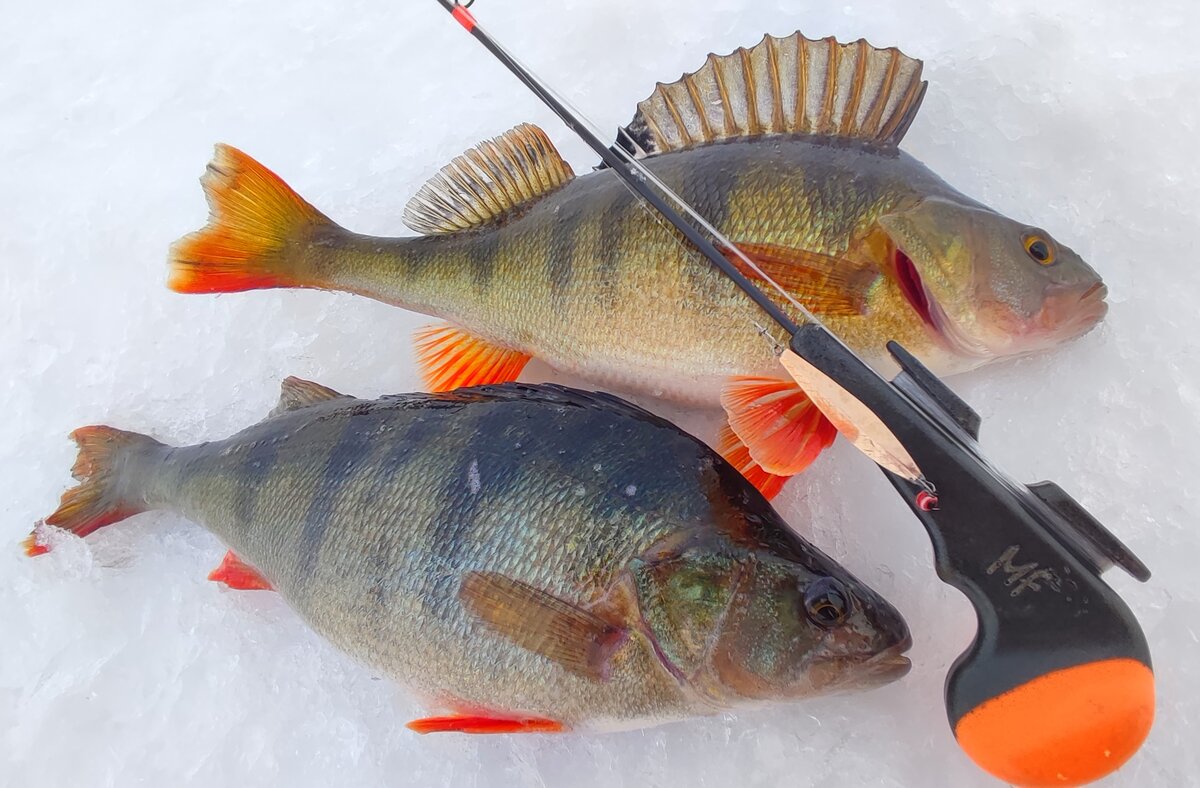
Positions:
{"x": 1057, "y": 687}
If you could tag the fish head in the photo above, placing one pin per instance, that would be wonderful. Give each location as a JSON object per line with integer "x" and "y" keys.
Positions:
{"x": 755, "y": 625}
{"x": 991, "y": 287}
{"x": 794, "y": 632}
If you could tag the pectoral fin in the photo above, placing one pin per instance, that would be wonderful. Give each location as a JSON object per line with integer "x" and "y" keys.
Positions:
{"x": 578, "y": 640}
{"x": 450, "y": 358}
{"x": 782, "y": 429}
{"x": 827, "y": 285}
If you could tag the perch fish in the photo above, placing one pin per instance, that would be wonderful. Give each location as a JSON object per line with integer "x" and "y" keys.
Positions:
{"x": 524, "y": 558}
{"x": 789, "y": 148}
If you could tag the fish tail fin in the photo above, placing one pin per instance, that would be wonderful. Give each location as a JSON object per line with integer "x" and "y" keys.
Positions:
{"x": 110, "y": 468}
{"x": 258, "y": 231}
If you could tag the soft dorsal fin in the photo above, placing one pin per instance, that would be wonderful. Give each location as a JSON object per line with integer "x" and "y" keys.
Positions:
{"x": 296, "y": 393}
{"x": 487, "y": 181}
{"x": 791, "y": 85}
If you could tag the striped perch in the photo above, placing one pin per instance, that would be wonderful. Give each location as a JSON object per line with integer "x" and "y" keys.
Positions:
{"x": 524, "y": 558}
{"x": 790, "y": 148}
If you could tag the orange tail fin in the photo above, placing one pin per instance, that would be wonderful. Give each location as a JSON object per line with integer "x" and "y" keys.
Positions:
{"x": 108, "y": 469}
{"x": 258, "y": 229}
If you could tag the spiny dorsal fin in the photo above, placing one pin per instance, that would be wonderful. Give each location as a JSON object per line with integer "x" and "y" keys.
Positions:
{"x": 487, "y": 181}
{"x": 791, "y": 85}
{"x": 295, "y": 393}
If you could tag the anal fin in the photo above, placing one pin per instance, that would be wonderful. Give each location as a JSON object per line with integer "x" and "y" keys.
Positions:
{"x": 236, "y": 573}
{"x": 474, "y": 723}
{"x": 450, "y": 358}
{"x": 782, "y": 429}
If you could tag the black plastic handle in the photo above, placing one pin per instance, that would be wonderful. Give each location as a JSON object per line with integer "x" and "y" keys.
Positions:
{"x": 1058, "y": 682}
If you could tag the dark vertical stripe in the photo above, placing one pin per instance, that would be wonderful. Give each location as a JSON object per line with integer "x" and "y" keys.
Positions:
{"x": 707, "y": 178}
{"x": 405, "y": 443}
{"x": 351, "y": 449}
{"x": 613, "y": 218}
{"x": 494, "y": 428}
{"x": 481, "y": 251}
{"x": 709, "y": 184}
{"x": 560, "y": 254}
{"x": 253, "y": 471}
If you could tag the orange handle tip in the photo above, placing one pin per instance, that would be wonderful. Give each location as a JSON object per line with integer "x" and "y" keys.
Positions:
{"x": 1065, "y": 728}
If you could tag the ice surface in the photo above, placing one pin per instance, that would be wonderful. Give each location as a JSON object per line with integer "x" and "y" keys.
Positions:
{"x": 121, "y": 665}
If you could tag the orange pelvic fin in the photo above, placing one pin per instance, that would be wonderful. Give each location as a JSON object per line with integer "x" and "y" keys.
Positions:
{"x": 236, "y": 573}
{"x": 470, "y": 723}
{"x": 825, "y": 284}
{"x": 579, "y": 640}
{"x": 736, "y": 454}
{"x": 450, "y": 358}
{"x": 780, "y": 426}
{"x": 103, "y": 496}
{"x": 256, "y": 231}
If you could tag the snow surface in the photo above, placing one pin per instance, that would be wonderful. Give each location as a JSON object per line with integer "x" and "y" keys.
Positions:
{"x": 122, "y": 665}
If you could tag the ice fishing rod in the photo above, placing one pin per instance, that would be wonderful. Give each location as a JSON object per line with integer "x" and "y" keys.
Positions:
{"x": 1057, "y": 687}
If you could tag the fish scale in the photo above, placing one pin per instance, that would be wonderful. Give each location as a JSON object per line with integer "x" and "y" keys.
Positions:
{"x": 375, "y": 518}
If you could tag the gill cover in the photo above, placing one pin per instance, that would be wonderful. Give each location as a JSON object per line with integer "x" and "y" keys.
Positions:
{"x": 683, "y": 599}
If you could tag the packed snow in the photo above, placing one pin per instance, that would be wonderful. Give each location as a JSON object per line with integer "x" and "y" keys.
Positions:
{"x": 121, "y": 665}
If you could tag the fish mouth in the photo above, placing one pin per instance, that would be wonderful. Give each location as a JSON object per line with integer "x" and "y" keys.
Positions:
{"x": 888, "y": 665}
{"x": 886, "y": 669}
{"x": 1071, "y": 313}
{"x": 1098, "y": 291}
{"x": 875, "y": 671}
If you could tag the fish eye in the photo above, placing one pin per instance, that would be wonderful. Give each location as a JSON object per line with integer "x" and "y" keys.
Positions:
{"x": 826, "y": 602}
{"x": 1039, "y": 248}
